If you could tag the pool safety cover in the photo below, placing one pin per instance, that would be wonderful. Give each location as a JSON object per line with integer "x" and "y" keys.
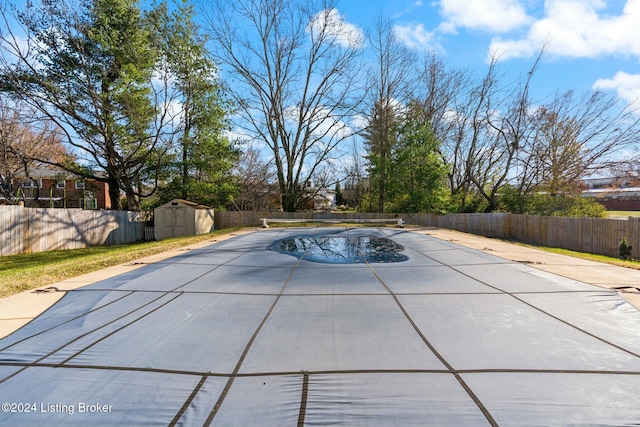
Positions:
{"x": 252, "y": 332}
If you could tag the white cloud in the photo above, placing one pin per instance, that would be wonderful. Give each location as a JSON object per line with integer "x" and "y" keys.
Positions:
{"x": 416, "y": 37}
{"x": 240, "y": 136}
{"x": 359, "y": 121}
{"x": 577, "y": 28}
{"x": 626, "y": 85}
{"x": 452, "y": 116}
{"x": 325, "y": 124}
{"x": 331, "y": 23}
{"x": 321, "y": 120}
{"x": 489, "y": 15}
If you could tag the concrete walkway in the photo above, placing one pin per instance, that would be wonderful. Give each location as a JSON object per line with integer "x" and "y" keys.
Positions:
{"x": 17, "y": 310}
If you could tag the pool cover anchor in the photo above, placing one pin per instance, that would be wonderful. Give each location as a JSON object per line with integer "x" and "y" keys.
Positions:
{"x": 46, "y": 290}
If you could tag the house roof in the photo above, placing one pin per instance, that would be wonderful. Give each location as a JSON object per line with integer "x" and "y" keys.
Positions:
{"x": 50, "y": 172}
{"x": 45, "y": 173}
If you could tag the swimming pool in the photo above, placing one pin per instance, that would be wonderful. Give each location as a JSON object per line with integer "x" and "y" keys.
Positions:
{"x": 238, "y": 333}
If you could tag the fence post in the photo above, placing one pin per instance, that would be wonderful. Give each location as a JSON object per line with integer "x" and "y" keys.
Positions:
{"x": 633, "y": 237}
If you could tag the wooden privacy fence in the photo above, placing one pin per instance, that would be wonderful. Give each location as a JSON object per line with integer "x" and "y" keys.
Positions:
{"x": 40, "y": 229}
{"x": 24, "y": 230}
{"x": 592, "y": 235}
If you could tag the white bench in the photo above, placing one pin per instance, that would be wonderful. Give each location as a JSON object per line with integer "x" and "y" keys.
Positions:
{"x": 398, "y": 221}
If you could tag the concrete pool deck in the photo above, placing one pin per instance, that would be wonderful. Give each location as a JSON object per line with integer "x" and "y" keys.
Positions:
{"x": 466, "y": 332}
{"x": 17, "y": 310}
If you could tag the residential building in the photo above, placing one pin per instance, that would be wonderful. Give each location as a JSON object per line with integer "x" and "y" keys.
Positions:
{"x": 54, "y": 188}
{"x": 614, "y": 193}
{"x": 322, "y": 198}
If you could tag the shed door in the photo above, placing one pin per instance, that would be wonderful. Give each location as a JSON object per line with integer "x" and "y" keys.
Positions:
{"x": 175, "y": 221}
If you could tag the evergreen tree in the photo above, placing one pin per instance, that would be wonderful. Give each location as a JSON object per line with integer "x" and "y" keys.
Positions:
{"x": 96, "y": 71}
{"x": 205, "y": 156}
{"x": 339, "y": 196}
{"x": 418, "y": 182}
{"x": 379, "y": 137}
{"x": 89, "y": 72}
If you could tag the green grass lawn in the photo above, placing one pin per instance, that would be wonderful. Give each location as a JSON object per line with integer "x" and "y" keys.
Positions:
{"x": 627, "y": 263}
{"x": 622, "y": 214}
{"x": 29, "y": 271}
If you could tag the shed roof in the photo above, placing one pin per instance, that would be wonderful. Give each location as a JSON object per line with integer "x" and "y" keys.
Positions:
{"x": 185, "y": 202}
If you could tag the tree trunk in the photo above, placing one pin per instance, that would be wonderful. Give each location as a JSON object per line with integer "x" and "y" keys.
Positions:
{"x": 382, "y": 181}
{"x": 289, "y": 201}
{"x": 114, "y": 193}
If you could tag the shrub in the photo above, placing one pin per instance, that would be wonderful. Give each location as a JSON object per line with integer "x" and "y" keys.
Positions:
{"x": 549, "y": 205}
{"x": 624, "y": 249}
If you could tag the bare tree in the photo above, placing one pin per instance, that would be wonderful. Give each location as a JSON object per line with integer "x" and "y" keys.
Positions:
{"x": 24, "y": 146}
{"x": 507, "y": 126}
{"x": 450, "y": 101}
{"x": 483, "y": 129}
{"x": 439, "y": 92}
{"x": 576, "y": 136}
{"x": 355, "y": 183}
{"x": 256, "y": 180}
{"x": 294, "y": 79}
{"x": 626, "y": 171}
{"x": 392, "y": 80}
{"x": 467, "y": 149}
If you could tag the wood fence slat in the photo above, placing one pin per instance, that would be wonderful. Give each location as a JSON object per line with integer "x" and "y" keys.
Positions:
{"x": 25, "y": 230}
{"x": 633, "y": 236}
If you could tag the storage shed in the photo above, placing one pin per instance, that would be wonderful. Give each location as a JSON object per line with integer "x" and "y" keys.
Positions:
{"x": 182, "y": 218}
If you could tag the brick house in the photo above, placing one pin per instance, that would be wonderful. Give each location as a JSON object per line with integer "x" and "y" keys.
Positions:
{"x": 54, "y": 188}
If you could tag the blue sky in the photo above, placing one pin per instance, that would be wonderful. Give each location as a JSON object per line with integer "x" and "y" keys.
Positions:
{"x": 591, "y": 43}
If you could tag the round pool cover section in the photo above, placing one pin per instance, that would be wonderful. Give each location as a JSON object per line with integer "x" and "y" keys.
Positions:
{"x": 341, "y": 249}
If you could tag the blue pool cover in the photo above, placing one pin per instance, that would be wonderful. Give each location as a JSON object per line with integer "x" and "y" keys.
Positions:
{"x": 246, "y": 333}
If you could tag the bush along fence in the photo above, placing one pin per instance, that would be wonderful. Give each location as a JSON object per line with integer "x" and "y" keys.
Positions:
{"x": 25, "y": 230}
{"x": 592, "y": 235}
